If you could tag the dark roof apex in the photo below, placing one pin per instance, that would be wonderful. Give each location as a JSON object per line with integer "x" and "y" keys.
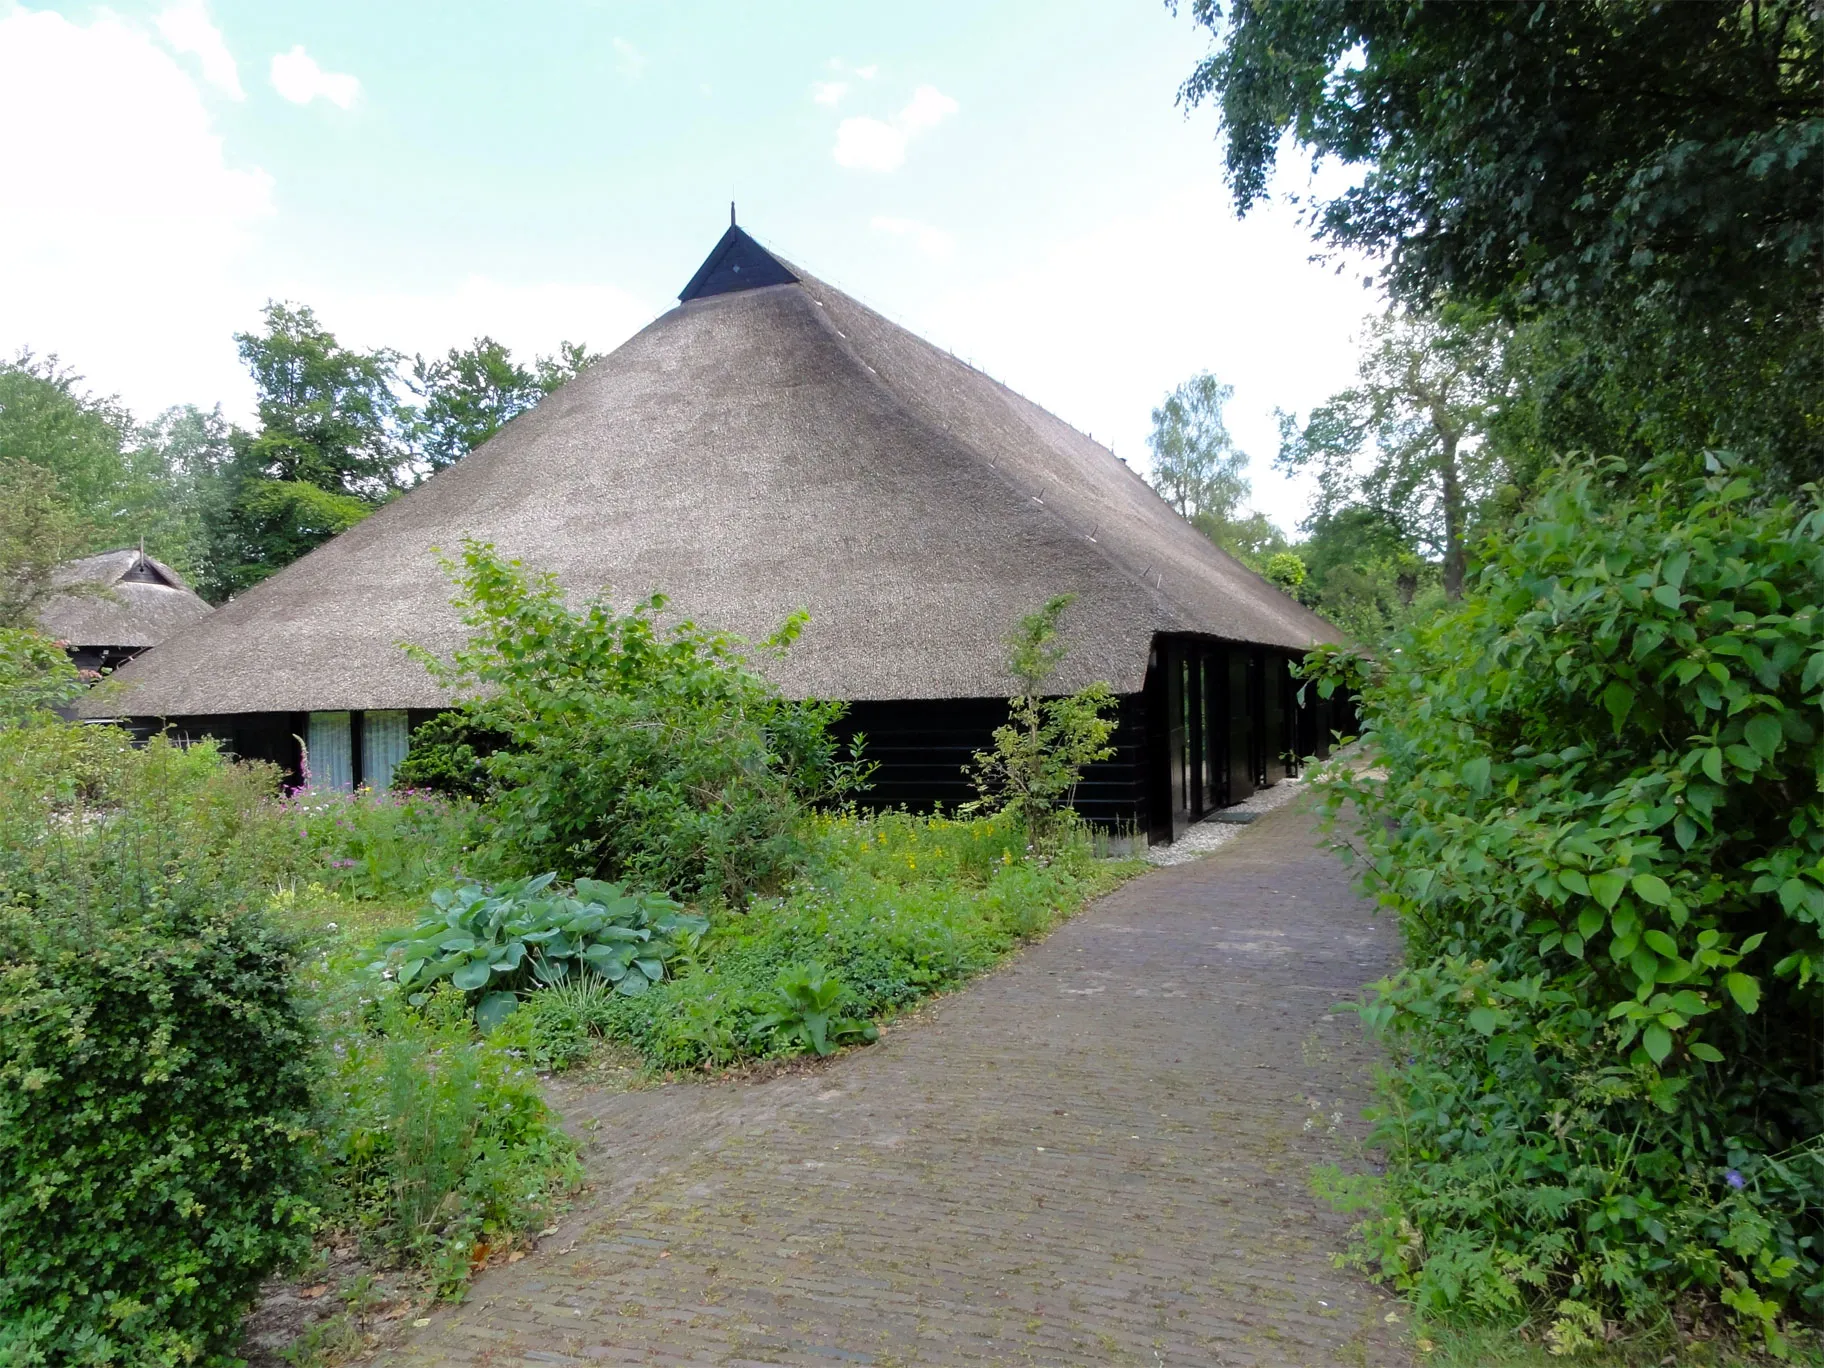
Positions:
{"x": 736, "y": 263}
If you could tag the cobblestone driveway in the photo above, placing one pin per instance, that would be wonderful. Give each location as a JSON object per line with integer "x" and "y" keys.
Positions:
{"x": 1096, "y": 1155}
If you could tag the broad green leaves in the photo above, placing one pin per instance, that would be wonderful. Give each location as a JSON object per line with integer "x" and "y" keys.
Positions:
{"x": 1596, "y": 810}
{"x": 522, "y": 935}
{"x": 807, "y": 1002}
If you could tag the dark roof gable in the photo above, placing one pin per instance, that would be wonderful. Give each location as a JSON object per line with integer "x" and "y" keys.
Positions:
{"x": 737, "y": 263}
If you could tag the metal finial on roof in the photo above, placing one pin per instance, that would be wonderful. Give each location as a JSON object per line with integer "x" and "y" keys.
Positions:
{"x": 731, "y": 213}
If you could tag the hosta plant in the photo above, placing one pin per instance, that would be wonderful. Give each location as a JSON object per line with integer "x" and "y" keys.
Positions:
{"x": 806, "y": 1003}
{"x": 497, "y": 943}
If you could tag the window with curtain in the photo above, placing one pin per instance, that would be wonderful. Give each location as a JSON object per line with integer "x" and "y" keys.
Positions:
{"x": 384, "y": 740}
{"x": 331, "y": 760}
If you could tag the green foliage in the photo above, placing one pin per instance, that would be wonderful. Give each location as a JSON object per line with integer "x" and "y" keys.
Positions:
{"x": 896, "y": 907}
{"x": 651, "y": 754}
{"x": 1364, "y": 576}
{"x": 35, "y": 676}
{"x": 439, "y": 1146}
{"x": 1197, "y": 468}
{"x": 1199, "y": 471}
{"x": 1643, "y": 175}
{"x": 39, "y": 531}
{"x": 102, "y": 482}
{"x": 271, "y": 523}
{"x": 1287, "y": 570}
{"x": 1596, "y": 811}
{"x": 498, "y": 943}
{"x": 394, "y": 845}
{"x": 1406, "y": 442}
{"x": 807, "y": 1001}
{"x": 328, "y": 414}
{"x": 1040, "y": 754}
{"x": 155, "y": 1070}
{"x": 446, "y": 757}
{"x": 473, "y": 392}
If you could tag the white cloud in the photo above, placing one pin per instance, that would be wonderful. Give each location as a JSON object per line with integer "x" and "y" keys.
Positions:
{"x": 629, "y": 60}
{"x": 873, "y": 145}
{"x": 869, "y": 145}
{"x": 297, "y": 77}
{"x": 188, "y": 29}
{"x": 129, "y": 261}
{"x": 928, "y": 108}
{"x": 935, "y": 243}
{"x": 867, "y": 73}
{"x": 828, "y": 92}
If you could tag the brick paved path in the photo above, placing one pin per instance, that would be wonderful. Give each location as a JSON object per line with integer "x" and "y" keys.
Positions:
{"x": 1097, "y": 1154}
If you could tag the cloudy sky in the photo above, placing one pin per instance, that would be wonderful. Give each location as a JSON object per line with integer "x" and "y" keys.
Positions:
{"x": 1012, "y": 181}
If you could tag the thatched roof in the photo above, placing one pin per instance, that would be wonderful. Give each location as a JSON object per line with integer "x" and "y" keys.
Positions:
{"x": 753, "y": 451}
{"x": 133, "y": 601}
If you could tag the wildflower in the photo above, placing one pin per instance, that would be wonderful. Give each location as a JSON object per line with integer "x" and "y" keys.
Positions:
{"x": 1735, "y": 1180}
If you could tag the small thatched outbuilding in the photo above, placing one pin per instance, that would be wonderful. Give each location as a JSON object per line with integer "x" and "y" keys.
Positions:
{"x": 114, "y": 605}
{"x": 767, "y": 445}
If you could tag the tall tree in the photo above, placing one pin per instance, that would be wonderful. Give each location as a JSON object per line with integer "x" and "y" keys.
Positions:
{"x": 116, "y": 485}
{"x": 1409, "y": 439}
{"x": 472, "y": 392}
{"x": 329, "y": 415}
{"x": 1198, "y": 469}
{"x": 1648, "y": 172}
{"x": 40, "y": 529}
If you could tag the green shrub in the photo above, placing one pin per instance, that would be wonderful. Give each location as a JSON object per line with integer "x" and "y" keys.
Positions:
{"x": 497, "y": 943}
{"x": 1596, "y": 811}
{"x": 654, "y": 755}
{"x": 806, "y": 1015}
{"x": 396, "y": 844}
{"x": 1039, "y": 756}
{"x": 35, "y": 676}
{"x": 155, "y": 1071}
{"x": 440, "y": 1147}
{"x": 446, "y": 758}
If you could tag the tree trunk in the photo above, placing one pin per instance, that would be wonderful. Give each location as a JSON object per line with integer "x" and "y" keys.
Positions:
{"x": 1454, "y": 559}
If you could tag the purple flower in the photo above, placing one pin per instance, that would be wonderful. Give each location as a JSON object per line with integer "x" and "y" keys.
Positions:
{"x": 343, "y": 864}
{"x": 1734, "y": 1179}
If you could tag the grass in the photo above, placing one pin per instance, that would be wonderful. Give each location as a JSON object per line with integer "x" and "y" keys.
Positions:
{"x": 1448, "y": 1346}
{"x": 895, "y": 907}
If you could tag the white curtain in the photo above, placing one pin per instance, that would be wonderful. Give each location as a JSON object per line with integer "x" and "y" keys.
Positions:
{"x": 384, "y": 741}
{"x": 332, "y": 768}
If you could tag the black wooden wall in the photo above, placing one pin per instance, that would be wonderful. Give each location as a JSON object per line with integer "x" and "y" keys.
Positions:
{"x": 923, "y": 748}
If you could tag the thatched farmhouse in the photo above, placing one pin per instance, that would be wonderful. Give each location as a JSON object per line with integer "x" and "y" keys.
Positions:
{"x": 767, "y": 445}
{"x": 116, "y": 604}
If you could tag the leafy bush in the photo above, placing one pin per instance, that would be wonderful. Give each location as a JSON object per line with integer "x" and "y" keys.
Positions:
{"x": 440, "y": 1148}
{"x": 807, "y": 1000}
{"x": 395, "y": 844}
{"x": 155, "y": 1071}
{"x": 446, "y": 757}
{"x": 1040, "y": 754}
{"x": 1597, "y": 813}
{"x": 500, "y": 942}
{"x": 35, "y": 676}
{"x": 654, "y": 755}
